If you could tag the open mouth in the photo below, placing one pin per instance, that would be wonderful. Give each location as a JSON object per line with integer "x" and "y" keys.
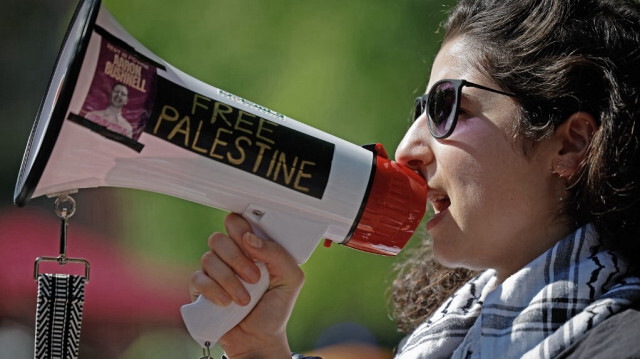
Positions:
{"x": 440, "y": 202}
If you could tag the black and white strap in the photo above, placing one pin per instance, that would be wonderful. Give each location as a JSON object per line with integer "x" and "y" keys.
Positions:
{"x": 59, "y": 316}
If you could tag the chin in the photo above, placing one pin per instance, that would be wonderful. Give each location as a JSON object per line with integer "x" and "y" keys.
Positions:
{"x": 445, "y": 257}
{"x": 450, "y": 257}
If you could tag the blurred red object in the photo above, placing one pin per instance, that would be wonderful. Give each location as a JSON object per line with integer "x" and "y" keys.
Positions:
{"x": 123, "y": 288}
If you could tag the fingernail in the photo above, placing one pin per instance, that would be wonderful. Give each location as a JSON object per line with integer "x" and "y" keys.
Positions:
{"x": 243, "y": 297}
{"x": 252, "y": 274}
{"x": 253, "y": 240}
{"x": 224, "y": 299}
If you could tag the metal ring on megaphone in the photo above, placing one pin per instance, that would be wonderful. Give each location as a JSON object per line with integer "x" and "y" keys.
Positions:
{"x": 206, "y": 351}
{"x": 65, "y": 207}
{"x": 65, "y": 213}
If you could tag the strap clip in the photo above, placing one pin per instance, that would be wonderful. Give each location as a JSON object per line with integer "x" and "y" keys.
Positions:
{"x": 65, "y": 207}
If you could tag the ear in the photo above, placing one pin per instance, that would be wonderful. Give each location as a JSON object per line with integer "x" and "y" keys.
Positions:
{"x": 573, "y": 138}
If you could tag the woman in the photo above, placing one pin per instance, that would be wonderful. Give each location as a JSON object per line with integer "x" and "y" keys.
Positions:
{"x": 528, "y": 140}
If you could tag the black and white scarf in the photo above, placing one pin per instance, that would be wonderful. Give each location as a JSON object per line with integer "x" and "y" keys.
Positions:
{"x": 536, "y": 312}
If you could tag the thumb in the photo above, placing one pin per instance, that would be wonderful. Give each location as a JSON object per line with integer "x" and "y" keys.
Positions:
{"x": 282, "y": 267}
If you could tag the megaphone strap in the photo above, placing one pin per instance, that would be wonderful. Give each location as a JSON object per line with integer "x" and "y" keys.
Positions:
{"x": 59, "y": 316}
{"x": 60, "y": 297}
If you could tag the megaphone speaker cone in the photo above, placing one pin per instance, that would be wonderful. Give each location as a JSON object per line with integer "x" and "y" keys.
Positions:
{"x": 55, "y": 102}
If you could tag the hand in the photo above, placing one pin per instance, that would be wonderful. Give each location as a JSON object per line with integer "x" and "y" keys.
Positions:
{"x": 262, "y": 334}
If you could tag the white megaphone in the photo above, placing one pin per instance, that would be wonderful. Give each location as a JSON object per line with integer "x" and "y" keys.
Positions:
{"x": 117, "y": 115}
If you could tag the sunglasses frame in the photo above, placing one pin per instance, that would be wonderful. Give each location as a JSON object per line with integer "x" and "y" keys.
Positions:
{"x": 458, "y": 84}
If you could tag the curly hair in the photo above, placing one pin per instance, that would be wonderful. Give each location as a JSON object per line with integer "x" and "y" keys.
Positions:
{"x": 559, "y": 57}
{"x": 421, "y": 285}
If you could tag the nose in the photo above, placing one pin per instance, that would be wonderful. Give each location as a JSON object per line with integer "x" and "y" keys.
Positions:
{"x": 414, "y": 151}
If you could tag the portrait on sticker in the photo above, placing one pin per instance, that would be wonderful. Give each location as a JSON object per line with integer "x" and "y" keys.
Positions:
{"x": 121, "y": 95}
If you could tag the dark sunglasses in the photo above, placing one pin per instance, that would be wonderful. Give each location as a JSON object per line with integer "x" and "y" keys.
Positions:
{"x": 442, "y": 104}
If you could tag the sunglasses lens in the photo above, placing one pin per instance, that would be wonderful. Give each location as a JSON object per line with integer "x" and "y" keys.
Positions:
{"x": 441, "y": 107}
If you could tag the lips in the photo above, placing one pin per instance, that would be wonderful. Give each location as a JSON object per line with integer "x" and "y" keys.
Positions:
{"x": 439, "y": 201}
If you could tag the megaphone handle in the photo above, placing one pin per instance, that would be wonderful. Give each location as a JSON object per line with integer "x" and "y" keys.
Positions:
{"x": 207, "y": 322}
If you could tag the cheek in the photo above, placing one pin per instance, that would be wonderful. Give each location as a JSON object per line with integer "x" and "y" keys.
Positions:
{"x": 501, "y": 195}
{"x": 485, "y": 173}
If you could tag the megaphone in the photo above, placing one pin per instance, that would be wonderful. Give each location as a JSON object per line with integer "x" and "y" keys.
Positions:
{"x": 117, "y": 115}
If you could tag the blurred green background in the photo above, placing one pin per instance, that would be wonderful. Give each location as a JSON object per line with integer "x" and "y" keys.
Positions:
{"x": 349, "y": 68}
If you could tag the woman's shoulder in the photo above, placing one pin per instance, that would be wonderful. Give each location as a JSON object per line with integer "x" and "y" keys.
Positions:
{"x": 616, "y": 337}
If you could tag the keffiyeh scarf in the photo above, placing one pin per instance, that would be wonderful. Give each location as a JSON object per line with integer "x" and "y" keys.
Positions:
{"x": 536, "y": 312}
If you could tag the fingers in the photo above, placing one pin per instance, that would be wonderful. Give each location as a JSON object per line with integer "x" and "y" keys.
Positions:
{"x": 236, "y": 226}
{"x": 232, "y": 257}
{"x": 225, "y": 265}
{"x": 201, "y": 283}
{"x": 283, "y": 269}
{"x": 224, "y": 278}
{"x": 227, "y": 250}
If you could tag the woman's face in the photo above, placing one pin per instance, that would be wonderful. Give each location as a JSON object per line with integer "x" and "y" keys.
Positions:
{"x": 494, "y": 207}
